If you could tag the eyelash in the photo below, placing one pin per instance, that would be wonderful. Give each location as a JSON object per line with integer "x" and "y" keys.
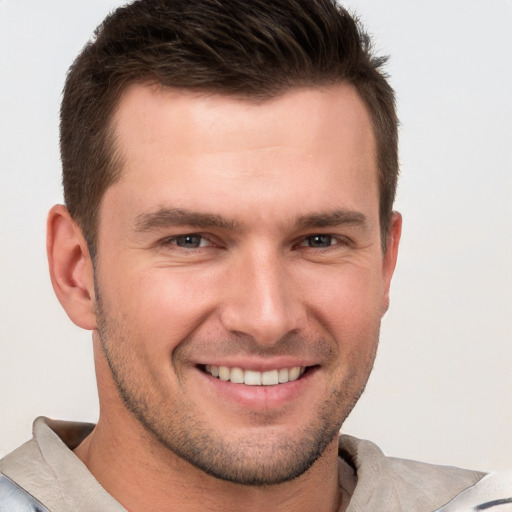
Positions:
{"x": 206, "y": 241}
{"x": 172, "y": 240}
{"x": 338, "y": 241}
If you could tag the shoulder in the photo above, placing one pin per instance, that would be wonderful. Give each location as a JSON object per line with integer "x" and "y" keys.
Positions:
{"x": 47, "y": 469}
{"x": 23, "y": 475}
{"x": 492, "y": 492}
{"x": 43, "y": 464}
{"x": 389, "y": 483}
{"x": 21, "y": 459}
{"x": 27, "y": 467}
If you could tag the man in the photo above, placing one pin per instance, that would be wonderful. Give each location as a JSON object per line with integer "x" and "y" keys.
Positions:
{"x": 229, "y": 239}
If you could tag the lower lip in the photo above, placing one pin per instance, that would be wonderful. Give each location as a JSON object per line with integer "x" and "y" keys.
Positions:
{"x": 260, "y": 397}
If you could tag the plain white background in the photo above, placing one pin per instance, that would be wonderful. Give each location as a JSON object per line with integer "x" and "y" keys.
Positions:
{"x": 441, "y": 390}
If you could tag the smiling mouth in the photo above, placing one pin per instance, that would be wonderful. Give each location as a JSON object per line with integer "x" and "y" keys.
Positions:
{"x": 255, "y": 378}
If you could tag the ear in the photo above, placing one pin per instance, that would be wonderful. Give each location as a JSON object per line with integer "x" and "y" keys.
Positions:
{"x": 390, "y": 257}
{"x": 71, "y": 269}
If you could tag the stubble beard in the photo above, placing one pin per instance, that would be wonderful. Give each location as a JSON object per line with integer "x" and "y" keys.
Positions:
{"x": 258, "y": 459}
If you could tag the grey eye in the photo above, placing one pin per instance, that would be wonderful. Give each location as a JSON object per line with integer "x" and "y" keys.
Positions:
{"x": 189, "y": 241}
{"x": 319, "y": 240}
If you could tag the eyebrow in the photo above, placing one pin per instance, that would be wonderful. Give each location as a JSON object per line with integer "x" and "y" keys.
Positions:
{"x": 167, "y": 217}
{"x": 332, "y": 219}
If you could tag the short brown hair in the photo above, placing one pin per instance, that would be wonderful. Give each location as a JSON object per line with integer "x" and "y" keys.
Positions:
{"x": 254, "y": 49}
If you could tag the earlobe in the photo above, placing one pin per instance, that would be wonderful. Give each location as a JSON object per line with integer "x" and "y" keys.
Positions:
{"x": 71, "y": 269}
{"x": 390, "y": 258}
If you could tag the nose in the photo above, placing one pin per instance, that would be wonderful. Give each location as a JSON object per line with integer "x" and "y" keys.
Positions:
{"x": 261, "y": 298}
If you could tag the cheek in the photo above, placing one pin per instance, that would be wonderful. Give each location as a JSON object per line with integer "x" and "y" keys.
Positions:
{"x": 348, "y": 306}
{"x": 350, "y": 294}
{"x": 165, "y": 306}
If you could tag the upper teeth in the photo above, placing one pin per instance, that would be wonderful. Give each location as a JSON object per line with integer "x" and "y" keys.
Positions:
{"x": 254, "y": 378}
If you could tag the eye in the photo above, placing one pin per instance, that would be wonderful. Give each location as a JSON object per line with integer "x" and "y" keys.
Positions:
{"x": 190, "y": 241}
{"x": 319, "y": 241}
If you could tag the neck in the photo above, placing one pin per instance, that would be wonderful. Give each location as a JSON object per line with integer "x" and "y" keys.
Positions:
{"x": 143, "y": 475}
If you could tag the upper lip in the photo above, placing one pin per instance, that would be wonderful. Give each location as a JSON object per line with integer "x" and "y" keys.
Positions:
{"x": 258, "y": 365}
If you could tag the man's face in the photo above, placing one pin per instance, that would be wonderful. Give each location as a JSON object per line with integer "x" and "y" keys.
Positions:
{"x": 239, "y": 273}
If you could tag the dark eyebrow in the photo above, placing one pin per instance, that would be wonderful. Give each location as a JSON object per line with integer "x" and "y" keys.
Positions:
{"x": 332, "y": 219}
{"x": 166, "y": 217}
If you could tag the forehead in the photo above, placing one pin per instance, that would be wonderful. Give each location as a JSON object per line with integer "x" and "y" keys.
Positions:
{"x": 305, "y": 146}
{"x": 312, "y": 116}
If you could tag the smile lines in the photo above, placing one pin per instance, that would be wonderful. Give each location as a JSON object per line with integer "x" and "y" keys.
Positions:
{"x": 255, "y": 378}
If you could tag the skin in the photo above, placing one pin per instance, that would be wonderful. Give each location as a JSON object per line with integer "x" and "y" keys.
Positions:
{"x": 283, "y": 267}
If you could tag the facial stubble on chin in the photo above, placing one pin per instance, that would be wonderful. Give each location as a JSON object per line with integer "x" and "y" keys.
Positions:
{"x": 257, "y": 459}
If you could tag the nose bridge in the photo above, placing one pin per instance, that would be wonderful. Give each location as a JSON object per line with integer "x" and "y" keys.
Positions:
{"x": 261, "y": 299}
